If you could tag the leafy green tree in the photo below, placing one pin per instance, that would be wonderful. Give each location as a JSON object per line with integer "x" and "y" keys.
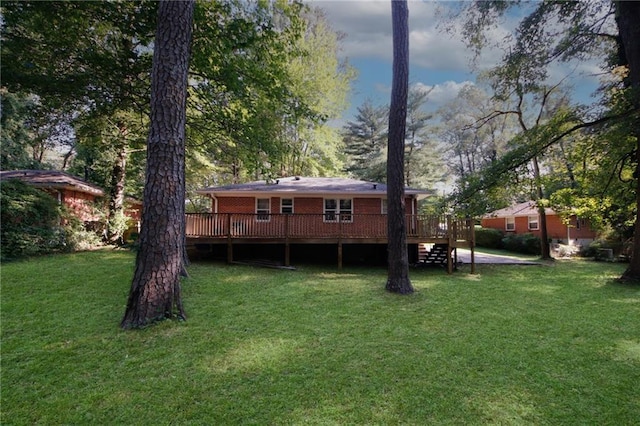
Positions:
{"x": 86, "y": 61}
{"x": 321, "y": 82}
{"x": 264, "y": 111}
{"x": 14, "y": 135}
{"x": 580, "y": 32}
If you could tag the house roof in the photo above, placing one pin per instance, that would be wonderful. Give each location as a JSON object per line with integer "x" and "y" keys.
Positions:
{"x": 527, "y": 208}
{"x": 307, "y": 186}
{"x": 52, "y": 179}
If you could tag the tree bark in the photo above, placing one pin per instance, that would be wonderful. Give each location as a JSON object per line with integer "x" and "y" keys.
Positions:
{"x": 545, "y": 251}
{"x": 398, "y": 268}
{"x": 155, "y": 289}
{"x": 627, "y": 18}
{"x": 116, "y": 196}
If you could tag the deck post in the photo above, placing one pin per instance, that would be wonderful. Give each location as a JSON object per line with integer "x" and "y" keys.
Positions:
{"x": 229, "y": 241}
{"x": 471, "y": 237}
{"x": 339, "y": 242}
{"x": 287, "y": 249}
{"x": 450, "y": 233}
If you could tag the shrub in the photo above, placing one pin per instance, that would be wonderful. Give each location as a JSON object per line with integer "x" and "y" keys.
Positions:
{"x": 30, "y": 221}
{"x": 489, "y": 238}
{"x": 522, "y": 243}
{"x": 33, "y": 223}
{"x": 602, "y": 243}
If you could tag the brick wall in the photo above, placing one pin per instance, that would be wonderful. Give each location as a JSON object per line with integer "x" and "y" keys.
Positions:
{"x": 556, "y": 230}
{"x": 81, "y": 204}
{"x": 301, "y": 205}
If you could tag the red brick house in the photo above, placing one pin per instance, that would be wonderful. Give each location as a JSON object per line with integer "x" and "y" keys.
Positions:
{"x": 299, "y": 211}
{"x": 524, "y": 218}
{"x": 78, "y": 195}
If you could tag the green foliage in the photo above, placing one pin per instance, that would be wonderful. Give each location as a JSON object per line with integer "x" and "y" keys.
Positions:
{"x": 118, "y": 224}
{"x": 511, "y": 345}
{"x": 489, "y": 238}
{"x": 34, "y": 224}
{"x": 14, "y": 135}
{"x": 31, "y": 221}
{"x": 265, "y": 81}
{"x": 365, "y": 143}
{"x": 522, "y": 243}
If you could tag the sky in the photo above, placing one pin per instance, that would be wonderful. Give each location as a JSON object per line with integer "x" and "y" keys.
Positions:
{"x": 437, "y": 58}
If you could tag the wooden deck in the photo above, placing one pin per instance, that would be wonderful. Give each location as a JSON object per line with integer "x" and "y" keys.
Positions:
{"x": 239, "y": 228}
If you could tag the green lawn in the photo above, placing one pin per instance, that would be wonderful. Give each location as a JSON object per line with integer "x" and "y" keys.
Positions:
{"x": 552, "y": 344}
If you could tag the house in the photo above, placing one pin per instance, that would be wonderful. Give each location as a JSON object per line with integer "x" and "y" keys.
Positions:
{"x": 78, "y": 195}
{"x": 525, "y": 218}
{"x": 313, "y": 214}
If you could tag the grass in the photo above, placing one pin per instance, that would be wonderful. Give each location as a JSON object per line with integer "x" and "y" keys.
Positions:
{"x": 553, "y": 344}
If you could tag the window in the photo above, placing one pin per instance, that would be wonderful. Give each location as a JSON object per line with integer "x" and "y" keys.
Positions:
{"x": 383, "y": 206}
{"x": 335, "y": 207}
{"x": 263, "y": 208}
{"x": 510, "y": 224}
{"x": 581, "y": 223}
{"x": 286, "y": 205}
{"x": 533, "y": 222}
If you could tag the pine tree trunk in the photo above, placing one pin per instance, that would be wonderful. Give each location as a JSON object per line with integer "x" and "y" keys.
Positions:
{"x": 627, "y": 18}
{"x": 155, "y": 289}
{"x": 398, "y": 268}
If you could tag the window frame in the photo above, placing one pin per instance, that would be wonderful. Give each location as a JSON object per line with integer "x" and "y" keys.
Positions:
{"x": 337, "y": 212}
{"x": 510, "y": 220}
{"x": 536, "y": 222}
{"x": 282, "y": 206}
{"x": 262, "y": 214}
{"x": 384, "y": 206}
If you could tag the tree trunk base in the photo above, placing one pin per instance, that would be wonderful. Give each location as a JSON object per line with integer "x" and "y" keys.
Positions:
{"x": 399, "y": 286}
{"x": 629, "y": 277}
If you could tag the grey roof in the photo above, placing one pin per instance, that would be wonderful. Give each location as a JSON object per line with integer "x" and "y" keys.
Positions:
{"x": 528, "y": 208}
{"x": 52, "y": 179}
{"x": 308, "y": 185}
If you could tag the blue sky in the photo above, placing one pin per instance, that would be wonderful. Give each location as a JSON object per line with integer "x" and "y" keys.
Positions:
{"x": 438, "y": 60}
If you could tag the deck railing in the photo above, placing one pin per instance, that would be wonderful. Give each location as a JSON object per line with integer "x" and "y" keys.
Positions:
{"x": 317, "y": 226}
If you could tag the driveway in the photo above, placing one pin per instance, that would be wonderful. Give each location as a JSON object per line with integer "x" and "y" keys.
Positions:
{"x": 464, "y": 256}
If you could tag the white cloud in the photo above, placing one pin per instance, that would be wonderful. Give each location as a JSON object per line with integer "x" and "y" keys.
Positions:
{"x": 440, "y": 94}
{"x": 367, "y": 27}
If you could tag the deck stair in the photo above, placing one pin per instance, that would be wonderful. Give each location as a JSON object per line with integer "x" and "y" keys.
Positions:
{"x": 433, "y": 254}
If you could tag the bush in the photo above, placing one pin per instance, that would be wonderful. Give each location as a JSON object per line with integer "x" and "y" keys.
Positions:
{"x": 603, "y": 243}
{"x": 33, "y": 223}
{"x": 489, "y": 238}
{"x": 522, "y": 243}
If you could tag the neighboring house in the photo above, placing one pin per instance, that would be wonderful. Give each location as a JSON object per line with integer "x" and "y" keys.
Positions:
{"x": 525, "y": 218}
{"x": 312, "y": 211}
{"x": 78, "y": 195}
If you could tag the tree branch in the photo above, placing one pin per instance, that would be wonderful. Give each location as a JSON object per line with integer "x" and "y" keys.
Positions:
{"x": 517, "y": 158}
